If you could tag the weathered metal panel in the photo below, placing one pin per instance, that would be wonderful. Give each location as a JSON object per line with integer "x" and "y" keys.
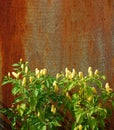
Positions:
{"x": 11, "y": 33}
{"x": 72, "y": 33}
{"x": 56, "y": 34}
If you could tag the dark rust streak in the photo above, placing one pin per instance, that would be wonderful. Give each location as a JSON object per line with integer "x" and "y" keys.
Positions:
{"x": 11, "y": 30}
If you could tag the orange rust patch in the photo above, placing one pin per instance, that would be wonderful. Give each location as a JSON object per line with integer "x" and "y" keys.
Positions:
{"x": 49, "y": 2}
{"x": 12, "y": 21}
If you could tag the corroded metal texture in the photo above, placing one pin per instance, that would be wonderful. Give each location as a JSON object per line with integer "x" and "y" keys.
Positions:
{"x": 72, "y": 33}
{"x": 11, "y": 33}
{"x": 56, "y": 34}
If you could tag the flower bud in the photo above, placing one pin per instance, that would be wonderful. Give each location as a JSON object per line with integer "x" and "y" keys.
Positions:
{"x": 20, "y": 59}
{"x": 24, "y": 81}
{"x": 80, "y": 127}
{"x": 67, "y": 95}
{"x": 12, "y": 105}
{"x": 108, "y": 89}
{"x": 107, "y": 86}
{"x": 56, "y": 88}
{"x": 36, "y": 71}
{"x": 72, "y": 75}
{"x": 9, "y": 74}
{"x": 53, "y": 109}
{"x": 26, "y": 63}
{"x": 90, "y": 98}
{"x": 41, "y": 72}
{"x": 89, "y": 69}
{"x": 38, "y": 76}
{"x": 22, "y": 66}
{"x": 23, "y": 106}
{"x": 100, "y": 104}
{"x": 96, "y": 72}
{"x": 54, "y": 83}
{"x": 44, "y": 72}
{"x": 38, "y": 114}
{"x": 57, "y": 75}
{"x": 26, "y": 69}
{"x": 90, "y": 73}
{"x": 18, "y": 106}
{"x": 16, "y": 75}
{"x": 73, "y": 72}
{"x": 66, "y": 75}
{"x": 31, "y": 79}
{"x": 66, "y": 70}
{"x": 94, "y": 90}
{"x": 43, "y": 86}
{"x": 80, "y": 74}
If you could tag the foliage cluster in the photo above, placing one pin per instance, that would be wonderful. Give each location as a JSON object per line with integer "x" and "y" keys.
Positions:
{"x": 70, "y": 100}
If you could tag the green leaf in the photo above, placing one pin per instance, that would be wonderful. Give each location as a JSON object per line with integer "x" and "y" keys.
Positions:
{"x": 43, "y": 128}
{"x": 6, "y": 82}
{"x": 86, "y": 127}
{"x": 72, "y": 85}
{"x": 47, "y": 84}
{"x": 56, "y": 123}
{"x": 104, "y": 77}
{"x": 15, "y": 65}
{"x": 103, "y": 112}
{"x": 15, "y": 90}
{"x": 80, "y": 115}
{"x": 99, "y": 83}
{"x": 93, "y": 123}
{"x": 113, "y": 103}
{"x": 19, "y": 99}
{"x": 35, "y": 92}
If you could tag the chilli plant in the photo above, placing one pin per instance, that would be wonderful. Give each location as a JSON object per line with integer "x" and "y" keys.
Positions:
{"x": 69, "y": 100}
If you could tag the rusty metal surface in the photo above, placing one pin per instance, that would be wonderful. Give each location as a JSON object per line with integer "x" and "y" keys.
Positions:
{"x": 57, "y": 33}
{"x": 11, "y": 32}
